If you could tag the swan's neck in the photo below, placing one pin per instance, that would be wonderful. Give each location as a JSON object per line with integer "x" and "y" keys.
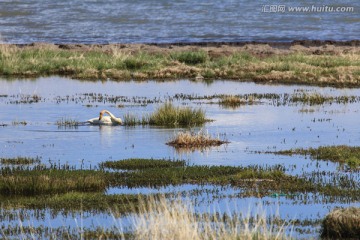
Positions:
{"x": 110, "y": 114}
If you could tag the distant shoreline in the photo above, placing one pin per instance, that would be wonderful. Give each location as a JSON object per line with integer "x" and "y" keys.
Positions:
{"x": 309, "y": 62}
{"x": 279, "y": 44}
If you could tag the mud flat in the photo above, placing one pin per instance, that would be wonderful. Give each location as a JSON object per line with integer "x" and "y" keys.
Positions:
{"x": 321, "y": 63}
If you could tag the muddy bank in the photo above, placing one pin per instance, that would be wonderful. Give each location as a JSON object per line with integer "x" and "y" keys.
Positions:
{"x": 221, "y": 48}
{"x": 321, "y": 63}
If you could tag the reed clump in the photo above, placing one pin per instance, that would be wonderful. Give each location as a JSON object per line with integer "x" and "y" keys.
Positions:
{"x": 175, "y": 116}
{"x": 189, "y": 139}
{"x": 341, "y": 223}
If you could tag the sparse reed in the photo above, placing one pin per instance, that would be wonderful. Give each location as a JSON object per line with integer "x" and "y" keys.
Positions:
{"x": 165, "y": 219}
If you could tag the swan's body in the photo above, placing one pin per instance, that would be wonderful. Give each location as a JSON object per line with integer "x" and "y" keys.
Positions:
{"x": 105, "y": 120}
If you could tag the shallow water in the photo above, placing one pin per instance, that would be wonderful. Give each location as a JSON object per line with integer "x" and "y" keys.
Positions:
{"x": 74, "y": 21}
{"x": 259, "y": 127}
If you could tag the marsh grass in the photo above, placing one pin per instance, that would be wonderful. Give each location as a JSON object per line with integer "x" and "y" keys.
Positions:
{"x": 176, "y": 219}
{"x": 75, "y": 201}
{"x": 168, "y": 115}
{"x": 158, "y": 217}
{"x": 342, "y": 154}
{"x": 50, "y": 181}
{"x": 16, "y": 123}
{"x": 190, "y": 57}
{"x": 243, "y": 64}
{"x": 174, "y": 116}
{"x": 141, "y": 163}
{"x": 199, "y": 140}
{"x": 341, "y": 224}
{"x": 20, "y": 161}
{"x": 231, "y": 101}
{"x": 67, "y": 122}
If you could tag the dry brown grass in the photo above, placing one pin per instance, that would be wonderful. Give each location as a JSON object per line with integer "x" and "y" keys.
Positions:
{"x": 176, "y": 219}
{"x": 190, "y": 139}
{"x": 342, "y": 223}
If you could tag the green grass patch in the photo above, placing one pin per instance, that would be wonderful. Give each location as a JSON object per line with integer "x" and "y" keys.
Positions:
{"x": 342, "y": 154}
{"x": 40, "y": 180}
{"x": 173, "y": 116}
{"x": 74, "y": 201}
{"x": 168, "y": 115}
{"x": 140, "y": 163}
{"x": 190, "y": 57}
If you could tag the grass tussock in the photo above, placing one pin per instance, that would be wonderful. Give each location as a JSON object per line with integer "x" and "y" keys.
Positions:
{"x": 296, "y": 65}
{"x": 342, "y": 154}
{"x": 168, "y": 115}
{"x": 231, "y": 101}
{"x": 176, "y": 219}
{"x": 174, "y": 116}
{"x": 195, "y": 140}
{"x": 341, "y": 224}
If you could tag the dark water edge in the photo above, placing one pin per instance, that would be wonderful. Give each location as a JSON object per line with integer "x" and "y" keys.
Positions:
{"x": 275, "y": 44}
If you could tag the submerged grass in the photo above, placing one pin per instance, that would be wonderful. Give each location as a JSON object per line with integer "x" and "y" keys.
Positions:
{"x": 342, "y": 154}
{"x": 149, "y": 62}
{"x": 67, "y": 122}
{"x": 19, "y": 161}
{"x": 195, "y": 140}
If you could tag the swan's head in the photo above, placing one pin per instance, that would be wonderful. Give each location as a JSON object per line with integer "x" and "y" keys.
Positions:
{"x": 118, "y": 120}
{"x": 100, "y": 115}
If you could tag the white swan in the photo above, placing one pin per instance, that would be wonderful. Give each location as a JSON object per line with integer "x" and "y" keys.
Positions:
{"x": 105, "y": 120}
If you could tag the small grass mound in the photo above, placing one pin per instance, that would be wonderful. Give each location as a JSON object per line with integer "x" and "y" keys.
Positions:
{"x": 342, "y": 154}
{"x": 195, "y": 140}
{"x": 172, "y": 116}
{"x": 19, "y": 161}
{"x": 231, "y": 101}
{"x": 342, "y": 223}
{"x": 140, "y": 163}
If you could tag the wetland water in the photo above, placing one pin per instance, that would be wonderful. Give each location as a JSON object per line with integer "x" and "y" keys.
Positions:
{"x": 263, "y": 126}
{"x": 74, "y": 21}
